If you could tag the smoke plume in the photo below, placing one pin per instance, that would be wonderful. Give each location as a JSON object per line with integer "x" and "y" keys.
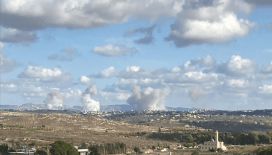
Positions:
{"x": 149, "y": 99}
{"x": 54, "y": 100}
{"x": 197, "y": 93}
{"x": 88, "y": 103}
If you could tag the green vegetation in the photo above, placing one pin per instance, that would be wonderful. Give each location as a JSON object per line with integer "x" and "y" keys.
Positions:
{"x": 40, "y": 152}
{"x": 108, "y": 148}
{"x": 264, "y": 151}
{"x": 62, "y": 148}
{"x": 136, "y": 150}
{"x": 4, "y": 149}
{"x": 232, "y": 138}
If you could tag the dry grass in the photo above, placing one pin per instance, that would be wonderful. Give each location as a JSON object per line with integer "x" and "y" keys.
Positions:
{"x": 43, "y": 129}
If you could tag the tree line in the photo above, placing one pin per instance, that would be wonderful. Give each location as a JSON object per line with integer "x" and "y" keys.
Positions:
{"x": 233, "y": 138}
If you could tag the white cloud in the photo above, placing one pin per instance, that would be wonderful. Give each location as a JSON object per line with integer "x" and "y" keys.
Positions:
{"x": 132, "y": 68}
{"x": 206, "y": 61}
{"x": 6, "y": 64}
{"x": 266, "y": 89}
{"x": 236, "y": 65}
{"x": 84, "y": 80}
{"x": 113, "y": 50}
{"x": 70, "y": 54}
{"x": 176, "y": 69}
{"x": 105, "y": 73}
{"x": 267, "y": 69}
{"x": 33, "y": 14}
{"x": 12, "y": 35}
{"x": 237, "y": 83}
{"x": 45, "y": 74}
{"x": 216, "y": 22}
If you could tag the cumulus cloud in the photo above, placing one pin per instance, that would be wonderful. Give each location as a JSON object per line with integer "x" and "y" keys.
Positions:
{"x": 260, "y": 2}
{"x": 54, "y": 100}
{"x": 210, "y": 23}
{"x": 266, "y": 89}
{"x": 84, "y": 80}
{"x": 267, "y": 69}
{"x": 236, "y": 65}
{"x": 113, "y": 50}
{"x": 70, "y": 54}
{"x": 206, "y": 61}
{"x": 32, "y": 14}
{"x": 88, "y": 103}
{"x": 6, "y": 64}
{"x": 147, "y": 39}
{"x": 45, "y": 74}
{"x": 150, "y": 98}
{"x": 59, "y": 57}
{"x": 105, "y": 73}
{"x": 115, "y": 96}
{"x": 12, "y": 35}
{"x": 197, "y": 93}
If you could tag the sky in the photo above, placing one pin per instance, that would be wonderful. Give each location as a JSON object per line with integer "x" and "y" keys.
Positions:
{"x": 150, "y": 54}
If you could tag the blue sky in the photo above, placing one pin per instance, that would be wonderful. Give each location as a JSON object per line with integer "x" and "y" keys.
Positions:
{"x": 148, "y": 54}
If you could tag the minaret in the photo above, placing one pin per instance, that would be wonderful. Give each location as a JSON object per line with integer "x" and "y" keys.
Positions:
{"x": 216, "y": 136}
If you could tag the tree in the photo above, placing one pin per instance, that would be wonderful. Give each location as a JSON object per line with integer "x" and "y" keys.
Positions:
{"x": 264, "y": 151}
{"x": 62, "y": 148}
{"x": 190, "y": 138}
{"x": 94, "y": 150}
{"x": 242, "y": 139}
{"x": 212, "y": 150}
{"x": 4, "y": 149}
{"x": 219, "y": 150}
{"x": 11, "y": 150}
{"x": 83, "y": 146}
{"x": 32, "y": 144}
{"x": 264, "y": 139}
{"x": 153, "y": 148}
{"x": 252, "y": 138}
{"x": 136, "y": 149}
{"x": 40, "y": 152}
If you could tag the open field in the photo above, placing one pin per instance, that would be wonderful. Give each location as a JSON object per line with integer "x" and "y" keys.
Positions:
{"x": 44, "y": 129}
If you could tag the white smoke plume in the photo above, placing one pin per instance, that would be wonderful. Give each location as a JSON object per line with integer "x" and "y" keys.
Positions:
{"x": 197, "y": 93}
{"x": 54, "y": 100}
{"x": 149, "y": 99}
{"x": 88, "y": 103}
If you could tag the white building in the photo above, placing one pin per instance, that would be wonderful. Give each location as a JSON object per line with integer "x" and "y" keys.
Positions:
{"x": 213, "y": 144}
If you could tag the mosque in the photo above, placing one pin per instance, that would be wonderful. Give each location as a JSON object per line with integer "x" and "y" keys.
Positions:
{"x": 213, "y": 144}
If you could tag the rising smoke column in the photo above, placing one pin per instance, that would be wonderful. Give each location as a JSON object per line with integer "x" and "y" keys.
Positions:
{"x": 88, "y": 103}
{"x": 54, "y": 100}
{"x": 197, "y": 93}
{"x": 149, "y": 99}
